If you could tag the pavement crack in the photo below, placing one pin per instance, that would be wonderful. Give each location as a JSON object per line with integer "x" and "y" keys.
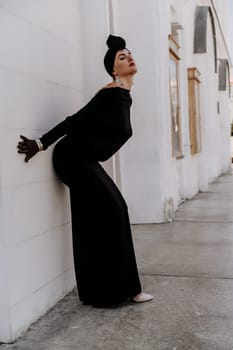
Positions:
{"x": 204, "y": 221}
{"x": 186, "y": 276}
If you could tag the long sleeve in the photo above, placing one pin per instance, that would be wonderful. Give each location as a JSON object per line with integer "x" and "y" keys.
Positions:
{"x": 71, "y": 123}
{"x": 100, "y": 128}
{"x": 54, "y": 134}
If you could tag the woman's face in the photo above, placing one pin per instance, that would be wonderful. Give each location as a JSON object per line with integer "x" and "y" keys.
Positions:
{"x": 124, "y": 64}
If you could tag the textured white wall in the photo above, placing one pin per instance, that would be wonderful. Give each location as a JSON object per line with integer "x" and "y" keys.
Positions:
{"x": 40, "y": 83}
{"x": 95, "y": 29}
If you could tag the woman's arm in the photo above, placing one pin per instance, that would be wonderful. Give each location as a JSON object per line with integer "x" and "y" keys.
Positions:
{"x": 30, "y": 147}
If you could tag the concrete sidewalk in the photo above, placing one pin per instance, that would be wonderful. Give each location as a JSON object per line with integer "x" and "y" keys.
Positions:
{"x": 188, "y": 267}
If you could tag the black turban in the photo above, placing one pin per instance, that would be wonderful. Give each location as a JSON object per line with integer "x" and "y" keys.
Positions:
{"x": 114, "y": 43}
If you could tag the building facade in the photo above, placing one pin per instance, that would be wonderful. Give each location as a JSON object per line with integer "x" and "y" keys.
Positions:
{"x": 51, "y": 64}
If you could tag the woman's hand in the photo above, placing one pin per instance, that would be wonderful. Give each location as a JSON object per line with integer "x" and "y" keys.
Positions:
{"x": 28, "y": 147}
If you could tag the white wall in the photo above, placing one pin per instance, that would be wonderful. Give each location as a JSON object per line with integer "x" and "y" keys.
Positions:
{"x": 95, "y": 28}
{"x": 40, "y": 84}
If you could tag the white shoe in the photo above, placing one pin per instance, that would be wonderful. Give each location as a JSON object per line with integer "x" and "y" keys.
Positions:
{"x": 142, "y": 298}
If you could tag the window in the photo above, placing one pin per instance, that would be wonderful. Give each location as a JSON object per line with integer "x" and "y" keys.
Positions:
{"x": 194, "y": 110}
{"x": 175, "y": 98}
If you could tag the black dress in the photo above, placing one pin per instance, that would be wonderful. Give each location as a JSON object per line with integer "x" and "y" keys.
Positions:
{"x": 104, "y": 258}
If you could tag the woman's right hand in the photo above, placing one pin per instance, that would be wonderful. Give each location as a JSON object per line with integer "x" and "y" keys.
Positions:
{"x": 28, "y": 147}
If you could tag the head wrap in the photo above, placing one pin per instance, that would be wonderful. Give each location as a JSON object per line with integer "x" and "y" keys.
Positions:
{"x": 114, "y": 43}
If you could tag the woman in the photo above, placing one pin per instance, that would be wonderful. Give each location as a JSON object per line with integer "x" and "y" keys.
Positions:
{"x": 104, "y": 259}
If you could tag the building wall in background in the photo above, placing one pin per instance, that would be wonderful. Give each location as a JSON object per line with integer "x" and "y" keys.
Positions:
{"x": 153, "y": 180}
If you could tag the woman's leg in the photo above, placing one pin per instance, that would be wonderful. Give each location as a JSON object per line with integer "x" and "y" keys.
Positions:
{"x": 104, "y": 258}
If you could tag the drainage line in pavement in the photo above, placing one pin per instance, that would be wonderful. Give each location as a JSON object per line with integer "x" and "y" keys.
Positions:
{"x": 186, "y": 276}
{"x": 204, "y": 222}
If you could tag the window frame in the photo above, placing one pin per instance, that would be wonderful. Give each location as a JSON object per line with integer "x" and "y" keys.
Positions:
{"x": 175, "y": 121}
{"x": 194, "y": 110}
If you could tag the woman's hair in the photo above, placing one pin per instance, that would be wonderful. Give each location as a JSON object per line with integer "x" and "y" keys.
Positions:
{"x": 114, "y": 43}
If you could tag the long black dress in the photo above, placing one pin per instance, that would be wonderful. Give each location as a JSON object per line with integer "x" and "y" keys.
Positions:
{"x": 104, "y": 258}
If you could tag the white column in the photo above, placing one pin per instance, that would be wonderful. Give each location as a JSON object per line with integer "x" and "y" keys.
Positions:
{"x": 225, "y": 128}
{"x": 145, "y": 178}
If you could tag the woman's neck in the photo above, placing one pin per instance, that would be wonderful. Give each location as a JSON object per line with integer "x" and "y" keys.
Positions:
{"x": 126, "y": 82}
